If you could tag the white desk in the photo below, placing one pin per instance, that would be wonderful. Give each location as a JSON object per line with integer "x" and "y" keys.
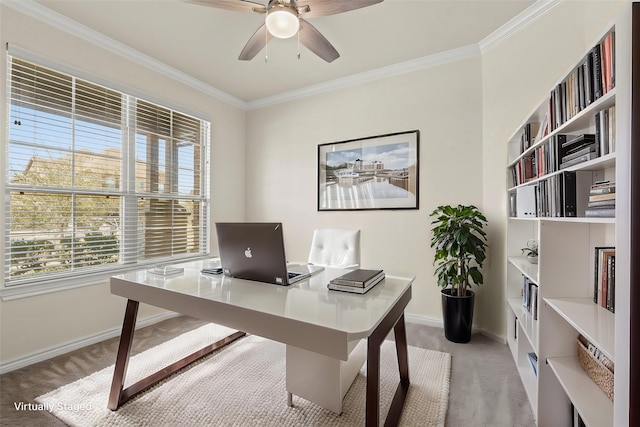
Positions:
{"x": 305, "y": 315}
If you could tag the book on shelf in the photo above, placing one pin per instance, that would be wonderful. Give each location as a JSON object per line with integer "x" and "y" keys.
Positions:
{"x": 533, "y": 361}
{"x": 526, "y": 201}
{"x": 603, "y": 187}
{"x": 605, "y": 126}
{"x": 578, "y": 160}
{"x": 589, "y": 80}
{"x": 600, "y": 212}
{"x": 580, "y": 151}
{"x": 530, "y": 297}
{"x": 602, "y": 197}
{"x": 604, "y": 277}
{"x": 528, "y": 136}
{"x": 513, "y": 204}
{"x": 602, "y": 200}
{"x": 602, "y": 204}
{"x": 562, "y": 195}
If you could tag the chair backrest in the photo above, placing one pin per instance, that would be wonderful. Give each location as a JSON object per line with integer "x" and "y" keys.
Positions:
{"x": 331, "y": 247}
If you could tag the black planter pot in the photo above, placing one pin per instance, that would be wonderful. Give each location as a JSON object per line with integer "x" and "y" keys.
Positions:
{"x": 457, "y": 314}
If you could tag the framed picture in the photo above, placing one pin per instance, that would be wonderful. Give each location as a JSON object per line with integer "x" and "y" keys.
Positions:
{"x": 377, "y": 172}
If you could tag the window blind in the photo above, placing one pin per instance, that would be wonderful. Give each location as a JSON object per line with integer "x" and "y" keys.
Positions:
{"x": 97, "y": 179}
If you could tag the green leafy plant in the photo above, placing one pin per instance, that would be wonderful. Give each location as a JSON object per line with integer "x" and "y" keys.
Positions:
{"x": 532, "y": 248}
{"x": 460, "y": 243}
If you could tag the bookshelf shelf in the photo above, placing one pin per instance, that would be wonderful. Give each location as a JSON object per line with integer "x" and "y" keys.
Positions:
{"x": 594, "y": 406}
{"x": 525, "y": 267}
{"x": 566, "y": 272}
{"x": 526, "y": 322}
{"x": 595, "y": 323}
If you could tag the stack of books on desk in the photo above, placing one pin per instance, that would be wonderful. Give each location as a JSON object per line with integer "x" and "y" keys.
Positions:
{"x": 357, "y": 281}
{"x": 602, "y": 200}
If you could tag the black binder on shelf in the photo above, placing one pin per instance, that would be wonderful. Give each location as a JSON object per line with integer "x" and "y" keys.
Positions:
{"x": 568, "y": 188}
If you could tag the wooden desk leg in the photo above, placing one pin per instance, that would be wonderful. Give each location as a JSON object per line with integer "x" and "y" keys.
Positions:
{"x": 124, "y": 351}
{"x": 395, "y": 410}
{"x": 373, "y": 375}
{"x": 373, "y": 383}
{"x": 118, "y": 396}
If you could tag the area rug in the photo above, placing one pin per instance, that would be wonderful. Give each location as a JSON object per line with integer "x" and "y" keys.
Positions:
{"x": 243, "y": 384}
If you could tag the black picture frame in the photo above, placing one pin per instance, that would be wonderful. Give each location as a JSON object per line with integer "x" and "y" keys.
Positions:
{"x": 371, "y": 173}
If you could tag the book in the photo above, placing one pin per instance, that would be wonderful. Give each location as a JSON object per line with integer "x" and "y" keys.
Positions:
{"x": 526, "y": 201}
{"x": 569, "y": 206}
{"x": 603, "y": 190}
{"x": 597, "y": 71}
{"x": 580, "y": 151}
{"x": 166, "y": 270}
{"x": 533, "y": 361}
{"x": 355, "y": 289}
{"x": 598, "y": 203}
{"x": 610, "y": 291}
{"x": 533, "y": 291}
{"x": 603, "y": 196}
{"x": 600, "y": 212}
{"x": 359, "y": 278}
{"x": 599, "y": 270}
{"x": 612, "y": 284}
{"x": 577, "y": 160}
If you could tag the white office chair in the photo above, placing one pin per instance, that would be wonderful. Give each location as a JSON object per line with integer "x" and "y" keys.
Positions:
{"x": 335, "y": 248}
{"x": 331, "y": 377}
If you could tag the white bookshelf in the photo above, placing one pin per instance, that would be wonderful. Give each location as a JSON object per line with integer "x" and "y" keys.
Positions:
{"x": 565, "y": 270}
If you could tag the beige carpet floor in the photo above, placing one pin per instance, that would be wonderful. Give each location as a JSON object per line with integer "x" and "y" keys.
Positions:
{"x": 244, "y": 385}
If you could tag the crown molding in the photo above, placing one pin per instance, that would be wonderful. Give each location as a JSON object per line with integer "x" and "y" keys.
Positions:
{"x": 369, "y": 76}
{"x": 524, "y": 18}
{"x": 48, "y": 16}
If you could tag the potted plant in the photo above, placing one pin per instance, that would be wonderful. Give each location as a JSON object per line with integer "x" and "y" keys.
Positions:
{"x": 460, "y": 243}
{"x": 531, "y": 251}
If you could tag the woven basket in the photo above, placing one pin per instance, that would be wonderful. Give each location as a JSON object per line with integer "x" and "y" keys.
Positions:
{"x": 599, "y": 373}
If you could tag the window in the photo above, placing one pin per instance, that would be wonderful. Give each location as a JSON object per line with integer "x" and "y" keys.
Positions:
{"x": 98, "y": 180}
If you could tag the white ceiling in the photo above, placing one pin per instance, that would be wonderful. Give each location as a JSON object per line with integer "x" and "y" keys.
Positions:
{"x": 205, "y": 42}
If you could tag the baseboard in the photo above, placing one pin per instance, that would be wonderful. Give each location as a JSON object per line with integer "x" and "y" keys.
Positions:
{"x": 499, "y": 338}
{"x": 41, "y": 356}
{"x": 437, "y": 323}
{"x": 423, "y": 320}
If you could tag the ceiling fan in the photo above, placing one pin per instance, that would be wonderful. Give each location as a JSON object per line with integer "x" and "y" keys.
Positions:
{"x": 286, "y": 18}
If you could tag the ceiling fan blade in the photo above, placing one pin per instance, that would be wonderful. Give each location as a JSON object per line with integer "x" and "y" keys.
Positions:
{"x": 316, "y": 42}
{"x": 331, "y": 7}
{"x": 232, "y": 5}
{"x": 256, "y": 43}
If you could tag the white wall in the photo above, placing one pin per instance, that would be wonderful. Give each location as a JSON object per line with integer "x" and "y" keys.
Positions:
{"x": 443, "y": 102}
{"x": 35, "y": 324}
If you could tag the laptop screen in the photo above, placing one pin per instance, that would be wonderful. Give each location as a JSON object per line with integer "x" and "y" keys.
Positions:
{"x": 253, "y": 251}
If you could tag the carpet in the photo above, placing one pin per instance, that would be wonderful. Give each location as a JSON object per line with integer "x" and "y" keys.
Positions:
{"x": 243, "y": 384}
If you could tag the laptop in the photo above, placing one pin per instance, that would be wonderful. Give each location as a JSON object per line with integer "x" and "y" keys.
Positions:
{"x": 255, "y": 251}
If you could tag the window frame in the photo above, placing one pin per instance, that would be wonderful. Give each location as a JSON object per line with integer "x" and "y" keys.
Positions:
{"x": 128, "y": 244}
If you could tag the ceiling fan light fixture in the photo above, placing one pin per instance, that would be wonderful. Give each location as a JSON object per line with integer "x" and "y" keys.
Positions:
{"x": 282, "y": 23}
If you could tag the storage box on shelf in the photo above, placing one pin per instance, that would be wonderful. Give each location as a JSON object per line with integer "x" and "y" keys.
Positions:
{"x": 555, "y": 199}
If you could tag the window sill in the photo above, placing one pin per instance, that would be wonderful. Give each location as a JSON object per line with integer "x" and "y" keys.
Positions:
{"x": 8, "y": 293}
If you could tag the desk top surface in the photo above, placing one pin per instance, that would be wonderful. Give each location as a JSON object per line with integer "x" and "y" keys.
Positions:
{"x": 307, "y": 301}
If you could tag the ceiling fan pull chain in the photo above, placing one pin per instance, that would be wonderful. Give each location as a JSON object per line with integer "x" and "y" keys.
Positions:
{"x": 298, "y": 44}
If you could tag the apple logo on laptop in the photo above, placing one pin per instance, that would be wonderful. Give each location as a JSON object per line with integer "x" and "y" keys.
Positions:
{"x": 247, "y": 253}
